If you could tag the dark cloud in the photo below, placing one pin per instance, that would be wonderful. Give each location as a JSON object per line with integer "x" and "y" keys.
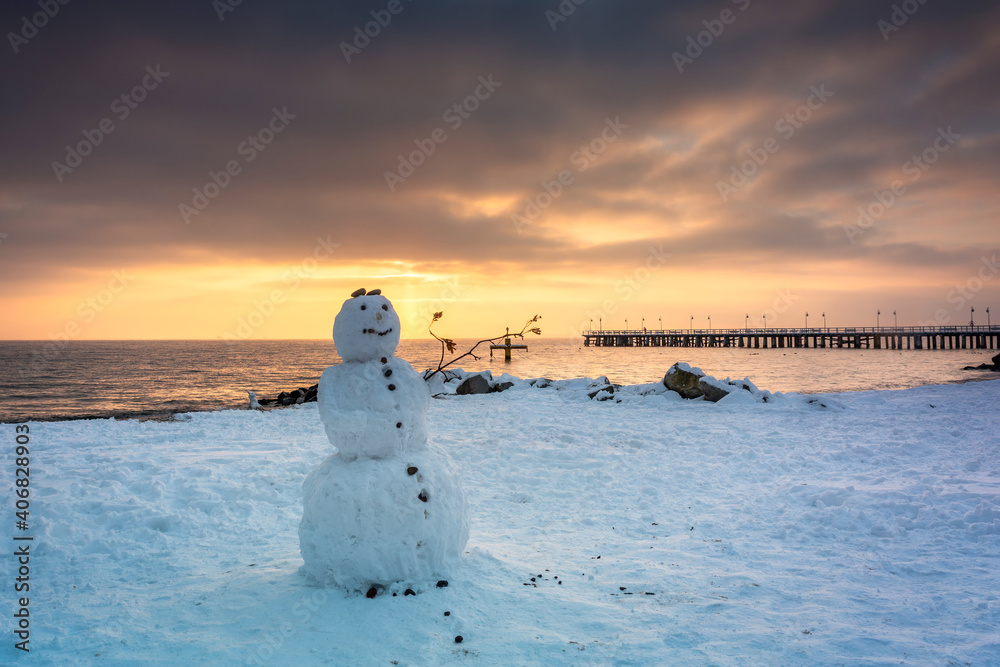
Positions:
{"x": 324, "y": 174}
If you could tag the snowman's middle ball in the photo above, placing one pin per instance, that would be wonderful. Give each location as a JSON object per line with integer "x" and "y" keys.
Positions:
{"x": 366, "y": 329}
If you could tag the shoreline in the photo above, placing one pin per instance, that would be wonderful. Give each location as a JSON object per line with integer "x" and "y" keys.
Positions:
{"x": 178, "y": 415}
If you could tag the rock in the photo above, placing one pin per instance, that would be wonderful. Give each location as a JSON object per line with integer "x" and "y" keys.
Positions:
{"x": 474, "y": 384}
{"x": 447, "y": 613}
{"x": 412, "y": 470}
{"x": 442, "y": 584}
{"x": 408, "y": 591}
{"x": 285, "y": 398}
{"x": 503, "y": 386}
{"x": 372, "y": 592}
{"x": 995, "y": 366}
{"x": 540, "y": 383}
{"x": 459, "y": 639}
{"x": 711, "y": 390}
{"x": 294, "y": 397}
{"x": 682, "y": 379}
{"x": 602, "y": 393}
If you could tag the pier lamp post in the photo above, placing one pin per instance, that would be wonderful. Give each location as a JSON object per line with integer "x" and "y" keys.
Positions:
{"x": 878, "y": 315}
{"x": 988, "y": 325}
{"x": 644, "y": 324}
{"x": 626, "y": 324}
{"x": 709, "y": 322}
{"x": 824, "y": 319}
{"x": 661, "y": 324}
{"x": 972, "y": 317}
{"x": 600, "y": 323}
{"x": 807, "y": 320}
{"x": 895, "y": 320}
{"x": 591, "y": 325}
{"x": 692, "y": 323}
{"x": 746, "y": 321}
{"x": 765, "y": 319}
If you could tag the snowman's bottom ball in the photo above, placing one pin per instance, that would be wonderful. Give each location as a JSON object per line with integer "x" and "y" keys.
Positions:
{"x": 370, "y": 522}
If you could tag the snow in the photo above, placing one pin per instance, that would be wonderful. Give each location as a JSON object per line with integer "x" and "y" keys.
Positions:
{"x": 654, "y": 530}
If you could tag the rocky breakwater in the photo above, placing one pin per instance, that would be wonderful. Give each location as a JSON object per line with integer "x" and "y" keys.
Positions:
{"x": 995, "y": 366}
{"x": 294, "y": 397}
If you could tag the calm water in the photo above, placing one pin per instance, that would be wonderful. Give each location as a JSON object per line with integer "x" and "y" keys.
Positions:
{"x": 146, "y": 378}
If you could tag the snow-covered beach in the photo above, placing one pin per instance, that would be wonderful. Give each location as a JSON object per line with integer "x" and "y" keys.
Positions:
{"x": 652, "y": 530}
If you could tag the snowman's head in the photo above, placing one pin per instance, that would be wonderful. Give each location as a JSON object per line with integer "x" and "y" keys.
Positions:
{"x": 366, "y": 328}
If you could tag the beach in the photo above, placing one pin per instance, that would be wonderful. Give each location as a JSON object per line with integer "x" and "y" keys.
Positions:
{"x": 860, "y": 528}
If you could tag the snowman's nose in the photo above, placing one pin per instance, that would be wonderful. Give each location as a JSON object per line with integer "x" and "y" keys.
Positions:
{"x": 378, "y": 317}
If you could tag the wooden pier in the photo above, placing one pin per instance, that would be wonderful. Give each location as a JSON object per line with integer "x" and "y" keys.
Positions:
{"x": 856, "y": 338}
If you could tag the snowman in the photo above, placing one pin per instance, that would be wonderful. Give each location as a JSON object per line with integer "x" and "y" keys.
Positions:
{"x": 387, "y": 507}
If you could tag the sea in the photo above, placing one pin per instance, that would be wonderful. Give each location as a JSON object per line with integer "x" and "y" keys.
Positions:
{"x": 48, "y": 381}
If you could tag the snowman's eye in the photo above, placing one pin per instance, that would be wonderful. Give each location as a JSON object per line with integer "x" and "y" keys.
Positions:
{"x": 385, "y": 307}
{"x": 363, "y": 306}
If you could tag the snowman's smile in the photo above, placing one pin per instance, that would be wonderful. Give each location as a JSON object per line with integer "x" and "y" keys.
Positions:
{"x": 380, "y": 333}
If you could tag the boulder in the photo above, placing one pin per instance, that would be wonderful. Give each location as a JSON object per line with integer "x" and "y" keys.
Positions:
{"x": 683, "y": 379}
{"x": 503, "y": 386}
{"x": 602, "y": 393}
{"x": 712, "y": 390}
{"x": 474, "y": 384}
{"x": 996, "y": 361}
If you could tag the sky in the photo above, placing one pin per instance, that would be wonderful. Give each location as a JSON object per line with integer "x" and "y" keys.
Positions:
{"x": 204, "y": 170}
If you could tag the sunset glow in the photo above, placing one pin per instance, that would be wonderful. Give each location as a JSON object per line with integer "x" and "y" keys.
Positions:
{"x": 803, "y": 159}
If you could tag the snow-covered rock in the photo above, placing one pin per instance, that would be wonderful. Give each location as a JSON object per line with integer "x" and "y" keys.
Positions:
{"x": 683, "y": 379}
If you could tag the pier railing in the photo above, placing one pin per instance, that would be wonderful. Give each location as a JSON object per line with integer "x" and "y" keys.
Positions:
{"x": 917, "y": 338}
{"x": 804, "y": 331}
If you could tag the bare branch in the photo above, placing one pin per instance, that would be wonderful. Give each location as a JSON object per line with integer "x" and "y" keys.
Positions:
{"x": 451, "y": 346}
